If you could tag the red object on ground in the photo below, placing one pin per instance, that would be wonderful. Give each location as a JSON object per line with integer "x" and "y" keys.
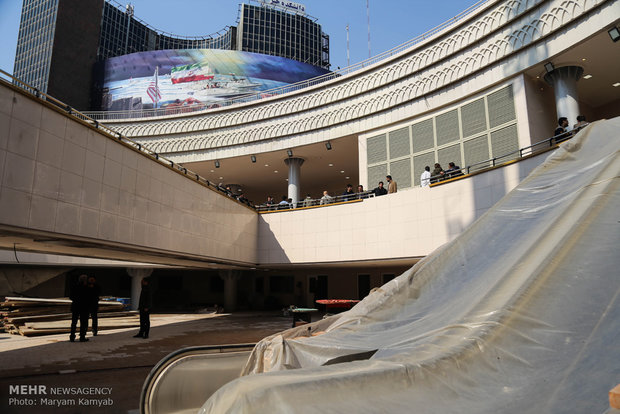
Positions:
{"x": 337, "y": 303}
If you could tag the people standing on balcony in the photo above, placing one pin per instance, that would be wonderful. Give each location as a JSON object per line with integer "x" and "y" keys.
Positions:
{"x": 360, "y": 192}
{"x": 392, "y": 187}
{"x": 561, "y": 132}
{"x": 242, "y": 198}
{"x": 453, "y": 171}
{"x": 348, "y": 194}
{"x": 581, "y": 122}
{"x": 380, "y": 190}
{"x": 308, "y": 201}
{"x": 437, "y": 174}
{"x": 326, "y": 199}
{"x": 425, "y": 177}
{"x": 283, "y": 204}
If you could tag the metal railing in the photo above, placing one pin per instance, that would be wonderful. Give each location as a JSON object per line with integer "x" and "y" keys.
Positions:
{"x": 148, "y": 113}
{"x": 501, "y": 160}
{"x": 314, "y": 202}
{"x": 11, "y": 80}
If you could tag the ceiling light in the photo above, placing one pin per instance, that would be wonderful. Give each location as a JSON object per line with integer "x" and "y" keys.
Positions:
{"x": 549, "y": 67}
{"x": 221, "y": 178}
{"x": 615, "y": 85}
{"x": 212, "y": 170}
{"x": 275, "y": 171}
{"x": 583, "y": 59}
{"x": 266, "y": 165}
{"x": 253, "y": 158}
{"x": 614, "y": 33}
{"x": 347, "y": 178}
{"x": 341, "y": 172}
{"x": 331, "y": 165}
{"x": 587, "y": 76}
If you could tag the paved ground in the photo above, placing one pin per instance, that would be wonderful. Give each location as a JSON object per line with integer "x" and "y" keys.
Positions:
{"x": 113, "y": 362}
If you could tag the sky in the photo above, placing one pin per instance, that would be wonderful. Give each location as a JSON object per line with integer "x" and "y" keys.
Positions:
{"x": 392, "y": 22}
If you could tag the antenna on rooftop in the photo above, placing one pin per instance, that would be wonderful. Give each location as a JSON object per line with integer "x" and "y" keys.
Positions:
{"x": 348, "y": 45}
{"x": 368, "y": 16}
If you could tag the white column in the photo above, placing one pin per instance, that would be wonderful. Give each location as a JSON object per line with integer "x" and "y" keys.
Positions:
{"x": 294, "y": 174}
{"x": 564, "y": 81}
{"x": 230, "y": 278}
{"x": 137, "y": 274}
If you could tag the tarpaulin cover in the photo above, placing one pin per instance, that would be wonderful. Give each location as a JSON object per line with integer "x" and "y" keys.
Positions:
{"x": 519, "y": 314}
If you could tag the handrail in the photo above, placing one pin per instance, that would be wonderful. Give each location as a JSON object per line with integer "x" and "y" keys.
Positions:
{"x": 141, "y": 113}
{"x": 109, "y": 132}
{"x": 493, "y": 162}
{"x": 170, "y": 360}
{"x": 315, "y": 202}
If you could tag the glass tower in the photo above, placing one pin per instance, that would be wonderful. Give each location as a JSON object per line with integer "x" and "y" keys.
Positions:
{"x": 36, "y": 39}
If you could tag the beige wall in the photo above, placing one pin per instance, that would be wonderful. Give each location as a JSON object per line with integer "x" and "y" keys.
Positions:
{"x": 63, "y": 177}
{"x": 410, "y": 223}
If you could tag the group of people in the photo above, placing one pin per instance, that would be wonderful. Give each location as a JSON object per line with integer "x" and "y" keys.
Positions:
{"x": 84, "y": 297}
{"x": 439, "y": 174}
{"x": 563, "y": 132}
{"x": 348, "y": 195}
{"x": 84, "y": 304}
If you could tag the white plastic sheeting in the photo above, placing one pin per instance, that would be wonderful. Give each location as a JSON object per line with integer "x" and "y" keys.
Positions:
{"x": 519, "y": 314}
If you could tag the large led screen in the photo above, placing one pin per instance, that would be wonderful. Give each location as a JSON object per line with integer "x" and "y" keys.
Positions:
{"x": 168, "y": 78}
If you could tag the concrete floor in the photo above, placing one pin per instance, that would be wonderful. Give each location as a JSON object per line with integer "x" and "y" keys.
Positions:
{"x": 113, "y": 361}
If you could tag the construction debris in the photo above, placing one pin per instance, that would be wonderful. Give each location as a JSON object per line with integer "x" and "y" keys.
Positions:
{"x": 38, "y": 316}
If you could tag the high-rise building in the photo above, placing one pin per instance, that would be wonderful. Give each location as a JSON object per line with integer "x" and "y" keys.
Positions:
{"x": 60, "y": 41}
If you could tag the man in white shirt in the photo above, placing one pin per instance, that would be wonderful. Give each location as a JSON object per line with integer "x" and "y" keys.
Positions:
{"x": 425, "y": 178}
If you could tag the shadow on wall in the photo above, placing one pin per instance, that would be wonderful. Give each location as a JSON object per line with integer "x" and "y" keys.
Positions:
{"x": 269, "y": 248}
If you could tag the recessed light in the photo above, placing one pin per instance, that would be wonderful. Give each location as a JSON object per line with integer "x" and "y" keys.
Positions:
{"x": 331, "y": 165}
{"x": 266, "y": 165}
{"x": 347, "y": 178}
{"x": 221, "y": 178}
{"x": 275, "y": 171}
{"x": 341, "y": 172}
{"x": 615, "y": 85}
{"x": 583, "y": 59}
{"x": 212, "y": 170}
{"x": 587, "y": 76}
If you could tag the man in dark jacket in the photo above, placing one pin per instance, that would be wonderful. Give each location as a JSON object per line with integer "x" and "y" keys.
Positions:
{"x": 144, "y": 306}
{"x": 348, "y": 193}
{"x": 94, "y": 291}
{"x": 380, "y": 190}
{"x": 79, "y": 308}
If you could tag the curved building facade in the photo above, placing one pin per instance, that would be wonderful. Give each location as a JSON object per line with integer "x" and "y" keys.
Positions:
{"x": 476, "y": 90}
{"x": 60, "y": 41}
{"x": 475, "y": 93}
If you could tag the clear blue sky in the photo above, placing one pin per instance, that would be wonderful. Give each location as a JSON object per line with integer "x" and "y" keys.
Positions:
{"x": 392, "y": 22}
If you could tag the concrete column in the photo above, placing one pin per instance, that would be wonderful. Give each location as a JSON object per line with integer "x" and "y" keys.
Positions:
{"x": 294, "y": 176}
{"x": 137, "y": 274}
{"x": 564, "y": 81}
{"x": 230, "y": 278}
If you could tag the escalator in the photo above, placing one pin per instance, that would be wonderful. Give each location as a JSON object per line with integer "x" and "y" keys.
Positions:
{"x": 182, "y": 381}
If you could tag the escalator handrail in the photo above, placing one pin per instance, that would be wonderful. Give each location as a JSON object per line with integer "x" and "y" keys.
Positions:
{"x": 174, "y": 356}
